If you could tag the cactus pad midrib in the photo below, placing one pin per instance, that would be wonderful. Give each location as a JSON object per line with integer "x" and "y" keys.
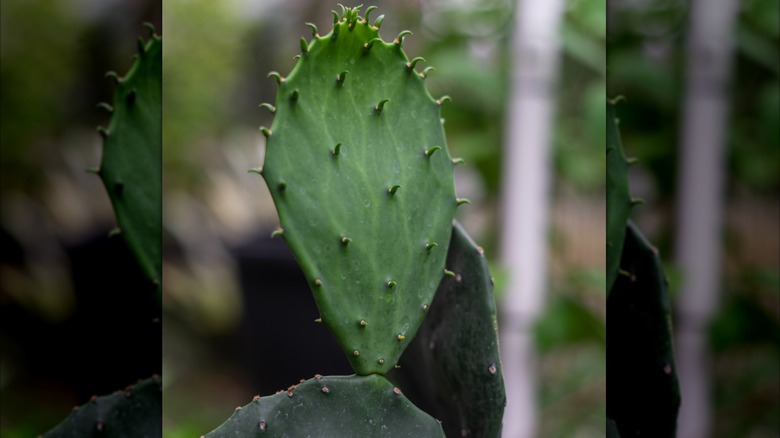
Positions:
{"x": 343, "y": 406}
{"x": 131, "y": 164}
{"x": 322, "y": 197}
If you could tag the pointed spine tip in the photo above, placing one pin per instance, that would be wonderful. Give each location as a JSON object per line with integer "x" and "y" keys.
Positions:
{"x": 430, "y": 245}
{"x": 279, "y": 231}
{"x": 113, "y": 75}
{"x": 380, "y": 106}
{"x": 318, "y": 320}
{"x": 105, "y": 106}
{"x": 401, "y": 338}
{"x": 456, "y": 161}
{"x": 368, "y": 12}
{"x": 443, "y": 99}
{"x": 95, "y": 170}
{"x": 341, "y": 77}
{"x": 424, "y": 74}
{"x": 336, "y": 150}
{"x": 103, "y": 132}
{"x": 461, "y": 201}
{"x": 295, "y": 95}
{"x": 266, "y": 132}
{"x": 367, "y": 46}
{"x": 637, "y": 201}
{"x": 149, "y": 26}
{"x": 314, "y": 32}
{"x": 304, "y": 46}
{"x": 378, "y": 22}
{"x": 449, "y": 273}
{"x": 269, "y": 107}
{"x": 362, "y": 323}
{"x": 393, "y": 189}
{"x": 410, "y": 65}
{"x": 257, "y": 170}
{"x": 279, "y": 78}
{"x": 391, "y": 284}
{"x": 399, "y": 40}
{"x": 115, "y": 232}
{"x": 429, "y": 152}
{"x": 345, "y": 240}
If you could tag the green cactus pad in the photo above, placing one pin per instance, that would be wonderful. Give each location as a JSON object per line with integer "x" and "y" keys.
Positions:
{"x": 643, "y": 395}
{"x": 453, "y": 362}
{"x": 358, "y": 167}
{"x": 134, "y": 412}
{"x": 131, "y": 167}
{"x": 337, "y": 406}
{"x": 618, "y": 199}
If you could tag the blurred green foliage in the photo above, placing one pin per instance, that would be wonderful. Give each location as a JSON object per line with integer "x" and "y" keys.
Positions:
{"x": 40, "y": 53}
{"x": 203, "y": 62}
{"x": 646, "y": 46}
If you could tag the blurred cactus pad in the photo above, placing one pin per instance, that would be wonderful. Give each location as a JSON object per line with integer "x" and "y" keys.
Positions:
{"x": 131, "y": 167}
{"x": 358, "y": 167}
{"x": 134, "y": 412}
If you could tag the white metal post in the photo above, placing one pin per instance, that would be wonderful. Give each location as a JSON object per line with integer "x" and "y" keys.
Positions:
{"x": 700, "y": 201}
{"x": 525, "y": 202}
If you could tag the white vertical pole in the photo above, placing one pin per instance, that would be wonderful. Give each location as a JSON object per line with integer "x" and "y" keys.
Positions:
{"x": 525, "y": 202}
{"x": 700, "y": 201}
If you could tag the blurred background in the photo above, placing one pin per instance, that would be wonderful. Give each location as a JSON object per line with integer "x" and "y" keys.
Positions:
{"x": 72, "y": 323}
{"x": 238, "y": 314}
{"x": 701, "y": 81}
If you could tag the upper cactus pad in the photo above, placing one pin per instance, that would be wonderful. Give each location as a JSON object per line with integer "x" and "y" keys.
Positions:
{"x": 131, "y": 165}
{"x": 358, "y": 167}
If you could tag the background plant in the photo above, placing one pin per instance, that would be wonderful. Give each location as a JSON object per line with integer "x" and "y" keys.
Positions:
{"x": 58, "y": 262}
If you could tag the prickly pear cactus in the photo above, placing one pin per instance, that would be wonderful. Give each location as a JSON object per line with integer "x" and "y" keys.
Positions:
{"x": 134, "y": 412}
{"x": 453, "y": 364}
{"x": 354, "y": 406}
{"x": 643, "y": 393}
{"x": 358, "y": 167}
{"x": 131, "y": 167}
{"x": 618, "y": 199}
